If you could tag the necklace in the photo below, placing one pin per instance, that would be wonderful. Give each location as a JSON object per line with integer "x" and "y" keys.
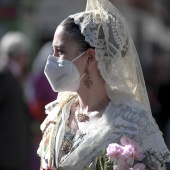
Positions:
{"x": 83, "y": 117}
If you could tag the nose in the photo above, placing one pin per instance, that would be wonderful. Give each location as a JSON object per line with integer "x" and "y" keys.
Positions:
{"x": 56, "y": 55}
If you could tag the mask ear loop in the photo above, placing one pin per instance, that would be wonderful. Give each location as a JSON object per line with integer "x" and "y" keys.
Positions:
{"x": 78, "y": 57}
{"x": 75, "y": 60}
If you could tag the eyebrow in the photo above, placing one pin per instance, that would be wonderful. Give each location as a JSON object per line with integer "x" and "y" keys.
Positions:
{"x": 59, "y": 46}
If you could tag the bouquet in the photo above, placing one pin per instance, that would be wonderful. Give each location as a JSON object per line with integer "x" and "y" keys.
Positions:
{"x": 126, "y": 156}
{"x": 129, "y": 156}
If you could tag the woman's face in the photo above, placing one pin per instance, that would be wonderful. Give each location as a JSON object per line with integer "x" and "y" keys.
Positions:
{"x": 64, "y": 46}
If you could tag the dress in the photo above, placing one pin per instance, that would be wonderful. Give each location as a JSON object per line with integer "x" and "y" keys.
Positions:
{"x": 127, "y": 114}
{"x": 82, "y": 148}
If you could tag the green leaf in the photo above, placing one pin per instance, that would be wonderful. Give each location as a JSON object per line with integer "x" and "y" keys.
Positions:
{"x": 87, "y": 167}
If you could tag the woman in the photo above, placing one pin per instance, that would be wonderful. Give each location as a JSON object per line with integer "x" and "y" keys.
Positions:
{"x": 102, "y": 93}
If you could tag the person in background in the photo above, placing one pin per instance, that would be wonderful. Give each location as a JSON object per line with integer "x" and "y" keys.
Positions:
{"x": 38, "y": 90}
{"x": 156, "y": 80}
{"x": 14, "y": 114}
{"x": 38, "y": 93}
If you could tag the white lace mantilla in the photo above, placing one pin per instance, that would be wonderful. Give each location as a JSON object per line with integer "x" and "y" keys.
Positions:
{"x": 105, "y": 29}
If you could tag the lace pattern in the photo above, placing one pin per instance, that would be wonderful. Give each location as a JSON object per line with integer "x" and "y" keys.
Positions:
{"x": 70, "y": 142}
{"x": 116, "y": 122}
{"x": 105, "y": 29}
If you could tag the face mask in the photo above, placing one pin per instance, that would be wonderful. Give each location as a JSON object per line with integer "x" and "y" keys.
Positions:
{"x": 62, "y": 74}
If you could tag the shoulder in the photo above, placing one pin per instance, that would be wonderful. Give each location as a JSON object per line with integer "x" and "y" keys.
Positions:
{"x": 54, "y": 108}
{"x": 127, "y": 103}
{"x": 133, "y": 118}
{"x": 130, "y": 117}
{"x": 50, "y": 106}
{"x": 133, "y": 111}
{"x": 60, "y": 102}
{"x": 137, "y": 122}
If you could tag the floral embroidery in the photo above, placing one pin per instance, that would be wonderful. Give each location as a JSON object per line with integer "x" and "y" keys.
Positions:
{"x": 67, "y": 142}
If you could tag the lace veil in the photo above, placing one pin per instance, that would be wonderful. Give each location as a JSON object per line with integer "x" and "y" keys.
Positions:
{"x": 105, "y": 28}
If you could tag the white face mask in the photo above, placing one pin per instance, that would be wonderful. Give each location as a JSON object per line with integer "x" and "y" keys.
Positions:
{"x": 62, "y": 74}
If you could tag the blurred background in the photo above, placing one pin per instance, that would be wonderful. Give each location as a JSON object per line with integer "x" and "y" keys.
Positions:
{"x": 149, "y": 24}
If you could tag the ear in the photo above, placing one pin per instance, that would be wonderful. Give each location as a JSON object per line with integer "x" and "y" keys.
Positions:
{"x": 90, "y": 57}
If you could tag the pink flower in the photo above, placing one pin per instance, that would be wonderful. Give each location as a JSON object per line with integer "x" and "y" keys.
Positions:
{"x": 129, "y": 154}
{"x": 129, "y": 150}
{"x": 122, "y": 167}
{"x": 114, "y": 151}
{"x": 125, "y": 156}
{"x": 122, "y": 160}
{"x": 125, "y": 140}
{"x": 132, "y": 147}
{"x": 139, "y": 155}
{"x": 139, "y": 166}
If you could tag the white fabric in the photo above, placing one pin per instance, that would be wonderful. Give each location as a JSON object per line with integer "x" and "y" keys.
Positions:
{"x": 105, "y": 29}
{"x": 116, "y": 121}
{"x": 62, "y": 74}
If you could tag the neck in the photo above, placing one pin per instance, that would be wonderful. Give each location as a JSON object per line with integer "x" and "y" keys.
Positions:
{"x": 91, "y": 99}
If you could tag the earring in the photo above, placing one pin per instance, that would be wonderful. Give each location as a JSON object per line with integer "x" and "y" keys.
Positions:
{"x": 88, "y": 82}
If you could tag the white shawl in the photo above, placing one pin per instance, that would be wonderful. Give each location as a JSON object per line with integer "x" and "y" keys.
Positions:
{"x": 117, "y": 120}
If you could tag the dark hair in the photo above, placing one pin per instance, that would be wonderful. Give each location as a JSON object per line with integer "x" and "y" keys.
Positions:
{"x": 74, "y": 30}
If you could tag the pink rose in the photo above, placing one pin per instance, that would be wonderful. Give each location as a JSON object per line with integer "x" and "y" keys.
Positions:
{"x": 122, "y": 160}
{"x": 129, "y": 154}
{"x": 129, "y": 150}
{"x": 114, "y": 151}
{"x": 125, "y": 140}
{"x": 139, "y": 166}
{"x": 124, "y": 156}
{"x": 139, "y": 155}
{"x": 138, "y": 152}
{"x": 122, "y": 167}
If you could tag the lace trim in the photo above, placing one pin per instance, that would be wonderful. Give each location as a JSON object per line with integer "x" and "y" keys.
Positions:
{"x": 106, "y": 30}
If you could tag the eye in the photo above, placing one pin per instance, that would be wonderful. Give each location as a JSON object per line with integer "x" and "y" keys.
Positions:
{"x": 59, "y": 53}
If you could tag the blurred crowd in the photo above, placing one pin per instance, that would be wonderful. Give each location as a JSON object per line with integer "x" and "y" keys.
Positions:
{"x": 26, "y": 32}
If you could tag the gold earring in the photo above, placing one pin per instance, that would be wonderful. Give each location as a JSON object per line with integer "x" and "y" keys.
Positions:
{"x": 88, "y": 82}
